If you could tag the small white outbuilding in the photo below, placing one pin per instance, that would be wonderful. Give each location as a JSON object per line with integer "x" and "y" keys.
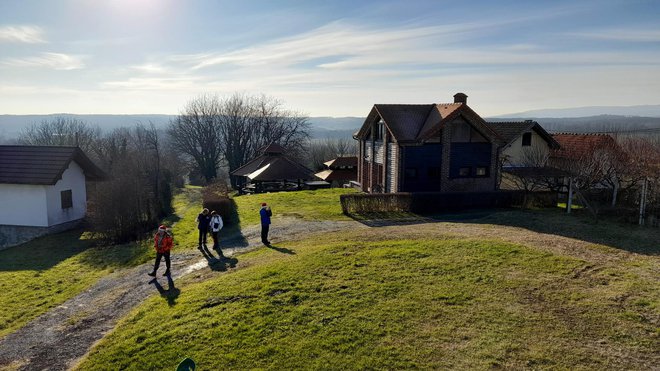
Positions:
{"x": 42, "y": 190}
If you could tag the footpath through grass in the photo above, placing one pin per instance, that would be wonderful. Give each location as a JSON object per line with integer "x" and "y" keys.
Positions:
{"x": 390, "y": 298}
{"x": 46, "y": 272}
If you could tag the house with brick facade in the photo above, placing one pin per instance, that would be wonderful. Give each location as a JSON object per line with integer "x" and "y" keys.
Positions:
{"x": 443, "y": 147}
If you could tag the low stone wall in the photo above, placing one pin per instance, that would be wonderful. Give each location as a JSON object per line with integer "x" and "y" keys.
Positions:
{"x": 12, "y": 235}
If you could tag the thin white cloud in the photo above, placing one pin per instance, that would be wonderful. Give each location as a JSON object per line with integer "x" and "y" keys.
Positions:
{"x": 56, "y": 61}
{"x": 22, "y": 34}
{"x": 151, "y": 68}
{"x": 627, "y": 35}
{"x": 154, "y": 83}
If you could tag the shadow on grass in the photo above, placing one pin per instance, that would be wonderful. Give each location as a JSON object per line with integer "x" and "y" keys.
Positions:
{"x": 44, "y": 252}
{"x": 171, "y": 294}
{"x": 220, "y": 263}
{"x": 579, "y": 225}
{"x": 283, "y": 250}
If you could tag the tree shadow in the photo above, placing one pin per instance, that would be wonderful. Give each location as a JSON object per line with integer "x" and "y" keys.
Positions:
{"x": 220, "y": 263}
{"x": 580, "y": 226}
{"x": 171, "y": 294}
{"x": 283, "y": 250}
{"x": 383, "y": 219}
{"x": 44, "y": 252}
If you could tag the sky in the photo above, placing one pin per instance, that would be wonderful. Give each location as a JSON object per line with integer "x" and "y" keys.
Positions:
{"x": 330, "y": 58}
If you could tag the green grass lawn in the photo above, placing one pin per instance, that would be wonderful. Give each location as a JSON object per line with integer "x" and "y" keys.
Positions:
{"x": 44, "y": 273}
{"x": 396, "y": 298}
{"x": 309, "y": 205}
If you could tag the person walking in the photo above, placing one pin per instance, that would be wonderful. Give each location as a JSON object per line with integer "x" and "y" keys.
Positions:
{"x": 215, "y": 226}
{"x": 163, "y": 244}
{"x": 265, "y": 213}
{"x": 203, "y": 221}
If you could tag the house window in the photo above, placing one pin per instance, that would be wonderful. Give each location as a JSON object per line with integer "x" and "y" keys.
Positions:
{"x": 411, "y": 173}
{"x": 527, "y": 139}
{"x": 481, "y": 171}
{"x": 378, "y": 131}
{"x": 464, "y": 172}
{"x": 67, "y": 199}
{"x": 434, "y": 172}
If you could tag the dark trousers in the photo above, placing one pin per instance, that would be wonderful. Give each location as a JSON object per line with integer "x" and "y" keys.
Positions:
{"x": 202, "y": 236}
{"x": 216, "y": 242}
{"x": 264, "y": 232}
{"x": 159, "y": 256}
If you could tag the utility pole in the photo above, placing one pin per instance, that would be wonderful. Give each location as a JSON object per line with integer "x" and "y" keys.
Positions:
{"x": 642, "y": 201}
{"x": 569, "y": 203}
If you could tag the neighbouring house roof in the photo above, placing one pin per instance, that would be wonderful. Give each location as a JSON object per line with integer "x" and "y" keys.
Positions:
{"x": 512, "y": 130}
{"x": 273, "y": 165}
{"x": 576, "y": 146}
{"x": 341, "y": 161}
{"x": 338, "y": 174}
{"x": 418, "y": 122}
{"x": 43, "y": 165}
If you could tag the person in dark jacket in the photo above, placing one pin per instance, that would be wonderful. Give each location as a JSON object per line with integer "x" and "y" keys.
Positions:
{"x": 203, "y": 221}
{"x": 265, "y": 214}
{"x": 163, "y": 244}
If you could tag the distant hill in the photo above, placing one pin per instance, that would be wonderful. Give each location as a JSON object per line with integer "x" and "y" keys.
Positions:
{"x": 321, "y": 127}
{"x": 644, "y": 111}
{"x": 591, "y": 123}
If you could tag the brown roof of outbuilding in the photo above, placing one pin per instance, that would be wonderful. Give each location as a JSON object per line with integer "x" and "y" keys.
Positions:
{"x": 272, "y": 148}
{"x": 281, "y": 168}
{"x": 42, "y": 165}
{"x": 341, "y": 161}
{"x": 577, "y": 146}
{"x": 338, "y": 174}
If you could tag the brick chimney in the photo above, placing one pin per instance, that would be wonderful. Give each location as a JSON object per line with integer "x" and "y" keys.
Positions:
{"x": 460, "y": 98}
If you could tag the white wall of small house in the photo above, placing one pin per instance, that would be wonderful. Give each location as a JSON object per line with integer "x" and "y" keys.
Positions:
{"x": 23, "y": 204}
{"x": 73, "y": 179}
{"x": 515, "y": 152}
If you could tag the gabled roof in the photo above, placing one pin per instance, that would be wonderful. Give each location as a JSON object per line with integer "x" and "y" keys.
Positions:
{"x": 341, "y": 161}
{"x": 576, "y": 146}
{"x": 42, "y": 165}
{"x": 512, "y": 130}
{"x": 419, "y": 122}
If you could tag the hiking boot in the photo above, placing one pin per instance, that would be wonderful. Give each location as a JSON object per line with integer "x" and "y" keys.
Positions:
{"x": 167, "y": 273}
{"x": 152, "y": 274}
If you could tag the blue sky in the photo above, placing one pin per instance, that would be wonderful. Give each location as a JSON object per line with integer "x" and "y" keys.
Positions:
{"x": 332, "y": 58}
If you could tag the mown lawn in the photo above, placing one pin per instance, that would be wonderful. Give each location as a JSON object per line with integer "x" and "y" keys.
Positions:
{"x": 308, "y": 205}
{"x": 46, "y": 272}
{"x": 392, "y": 298}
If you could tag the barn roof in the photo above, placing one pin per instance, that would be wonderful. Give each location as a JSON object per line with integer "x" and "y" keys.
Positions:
{"x": 42, "y": 165}
{"x": 337, "y": 174}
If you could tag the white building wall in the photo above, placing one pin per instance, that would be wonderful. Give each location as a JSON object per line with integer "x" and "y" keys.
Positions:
{"x": 73, "y": 178}
{"x": 515, "y": 152}
{"x": 23, "y": 204}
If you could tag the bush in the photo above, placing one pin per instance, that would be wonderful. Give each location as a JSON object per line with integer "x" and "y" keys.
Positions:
{"x": 215, "y": 197}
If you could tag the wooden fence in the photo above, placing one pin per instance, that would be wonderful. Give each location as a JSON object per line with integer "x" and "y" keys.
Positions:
{"x": 434, "y": 202}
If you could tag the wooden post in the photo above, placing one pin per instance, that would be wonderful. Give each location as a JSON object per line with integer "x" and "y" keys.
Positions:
{"x": 569, "y": 202}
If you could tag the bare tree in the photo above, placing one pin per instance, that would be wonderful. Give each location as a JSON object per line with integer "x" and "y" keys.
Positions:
{"x": 196, "y": 132}
{"x": 320, "y": 151}
{"x": 62, "y": 131}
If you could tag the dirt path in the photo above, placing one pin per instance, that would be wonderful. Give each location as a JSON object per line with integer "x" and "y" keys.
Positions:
{"x": 57, "y": 339}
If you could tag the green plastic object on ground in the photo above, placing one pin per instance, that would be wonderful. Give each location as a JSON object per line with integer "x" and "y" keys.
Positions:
{"x": 186, "y": 365}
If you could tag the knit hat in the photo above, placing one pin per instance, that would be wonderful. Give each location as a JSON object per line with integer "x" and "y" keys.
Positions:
{"x": 263, "y": 204}
{"x": 162, "y": 227}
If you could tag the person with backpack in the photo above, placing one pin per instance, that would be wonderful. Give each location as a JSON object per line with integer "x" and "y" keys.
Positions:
{"x": 265, "y": 213}
{"x": 215, "y": 226}
{"x": 163, "y": 244}
{"x": 203, "y": 221}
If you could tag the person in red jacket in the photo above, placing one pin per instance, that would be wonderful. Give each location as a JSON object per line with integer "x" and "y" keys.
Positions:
{"x": 163, "y": 245}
